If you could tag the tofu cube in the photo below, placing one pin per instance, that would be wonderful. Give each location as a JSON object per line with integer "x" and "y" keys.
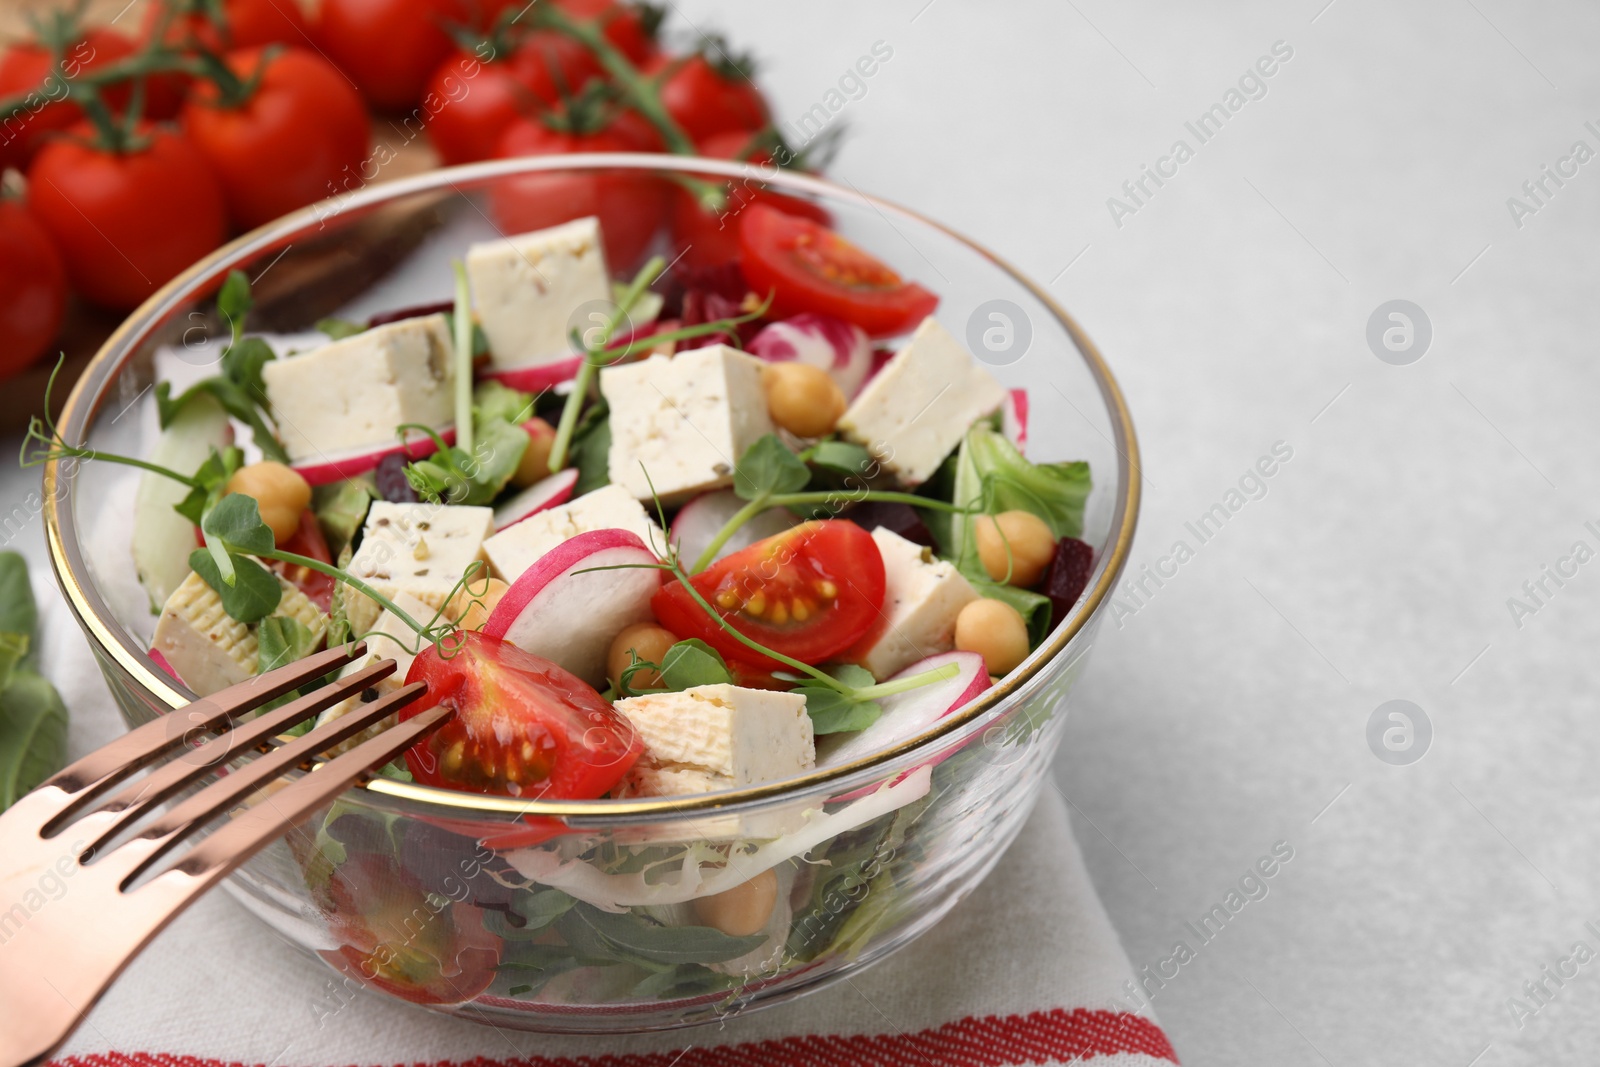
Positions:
{"x": 388, "y": 638}
{"x": 418, "y": 549}
{"x": 527, "y": 288}
{"x": 516, "y": 548}
{"x": 716, "y": 737}
{"x": 351, "y": 394}
{"x": 686, "y": 420}
{"x": 922, "y": 599}
{"x": 916, "y": 410}
{"x": 209, "y": 648}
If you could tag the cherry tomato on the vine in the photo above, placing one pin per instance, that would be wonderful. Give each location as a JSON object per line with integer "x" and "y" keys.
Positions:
{"x": 809, "y": 593}
{"x": 808, "y": 267}
{"x": 33, "y": 288}
{"x": 389, "y": 48}
{"x": 30, "y": 71}
{"x": 708, "y": 99}
{"x": 126, "y": 222}
{"x": 707, "y": 237}
{"x": 629, "y": 204}
{"x": 523, "y": 726}
{"x": 292, "y": 143}
{"x": 630, "y": 27}
{"x": 242, "y": 24}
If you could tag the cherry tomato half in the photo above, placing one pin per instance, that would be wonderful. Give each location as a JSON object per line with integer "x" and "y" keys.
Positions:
{"x": 33, "y": 288}
{"x": 629, "y": 204}
{"x": 393, "y": 935}
{"x": 809, "y": 593}
{"x": 126, "y": 222}
{"x": 523, "y": 726}
{"x": 811, "y": 268}
{"x": 297, "y": 139}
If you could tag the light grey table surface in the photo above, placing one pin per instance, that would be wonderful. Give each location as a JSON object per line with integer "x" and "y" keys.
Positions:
{"x": 1228, "y": 710}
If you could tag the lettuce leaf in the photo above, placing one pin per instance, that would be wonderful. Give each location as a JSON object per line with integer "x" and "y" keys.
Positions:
{"x": 990, "y": 473}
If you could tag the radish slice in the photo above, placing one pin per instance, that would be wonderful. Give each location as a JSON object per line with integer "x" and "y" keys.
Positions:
{"x": 566, "y": 611}
{"x": 324, "y": 470}
{"x": 905, "y": 715}
{"x": 538, "y": 377}
{"x": 545, "y": 493}
{"x": 838, "y": 347}
{"x": 166, "y": 667}
{"x": 1014, "y": 418}
{"x": 703, "y": 517}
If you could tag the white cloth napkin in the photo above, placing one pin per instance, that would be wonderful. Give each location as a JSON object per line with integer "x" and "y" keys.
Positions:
{"x": 1026, "y": 971}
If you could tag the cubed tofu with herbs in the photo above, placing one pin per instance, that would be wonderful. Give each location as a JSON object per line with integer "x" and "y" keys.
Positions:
{"x": 716, "y": 737}
{"x": 915, "y": 411}
{"x": 526, "y": 290}
{"x": 516, "y": 548}
{"x": 684, "y": 420}
{"x": 209, "y": 648}
{"x": 351, "y": 394}
{"x": 418, "y": 549}
{"x": 923, "y": 595}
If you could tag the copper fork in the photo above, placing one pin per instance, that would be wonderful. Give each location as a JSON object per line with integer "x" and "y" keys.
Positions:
{"x": 71, "y": 915}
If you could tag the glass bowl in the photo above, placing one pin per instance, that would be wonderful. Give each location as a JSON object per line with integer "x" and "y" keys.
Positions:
{"x": 597, "y": 916}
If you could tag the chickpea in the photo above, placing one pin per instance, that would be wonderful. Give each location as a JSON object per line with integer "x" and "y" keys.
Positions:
{"x": 535, "y": 463}
{"x": 994, "y": 630}
{"x": 1018, "y": 541}
{"x": 802, "y": 399}
{"x": 649, "y": 642}
{"x": 471, "y": 607}
{"x": 280, "y": 495}
{"x": 742, "y": 910}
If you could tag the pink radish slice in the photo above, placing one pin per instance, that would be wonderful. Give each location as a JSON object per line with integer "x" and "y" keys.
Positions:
{"x": 548, "y": 375}
{"x": 545, "y": 493}
{"x": 1014, "y": 418}
{"x": 324, "y": 470}
{"x": 905, "y": 715}
{"x": 838, "y": 347}
{"x": 565, "y": 610}
{"x": 166, "y": 668}
{"x": 703, "y": 517}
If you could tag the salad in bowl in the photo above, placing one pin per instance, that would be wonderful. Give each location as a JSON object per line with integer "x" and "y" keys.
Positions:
{"x": 708, "y": 561}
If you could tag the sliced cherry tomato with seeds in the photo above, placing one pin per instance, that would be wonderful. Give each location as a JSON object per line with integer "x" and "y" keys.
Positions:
{"x": 808, "y": 267}
{"x": 523, "y": 727}
{"x": 808, "y": 593}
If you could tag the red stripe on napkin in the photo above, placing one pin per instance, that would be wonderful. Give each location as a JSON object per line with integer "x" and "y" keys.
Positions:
{"x": 990, "y": 1041}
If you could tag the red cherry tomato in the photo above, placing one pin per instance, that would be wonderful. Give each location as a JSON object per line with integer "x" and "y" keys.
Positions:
{"x": 707, "y": 238}
{"x": 809, "y": 593}
{"x": 243, "y": 24}
{"x": 706, "y": 100}
{"x": 308, "y": 541}
{"x": 631, "y": 29}
{"x": 389, "y": 48}
{"x": 127, "y": 222}
{"x": 33, "y": 288}
{"x": 810, "y": 268}
{"x": 523, "y": 726}
{"x": 27, "y": 70}
{"x": 629, "y": 204}
{"x": 295, "y": 141}
{"x": 375, "y": 911}
{"x": 474, "y": 101}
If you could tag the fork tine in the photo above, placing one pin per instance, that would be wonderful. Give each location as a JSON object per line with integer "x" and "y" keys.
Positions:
{"x": 139, "y": 748}
{"x": 137, "y": 798}
{"x": 172, "y": 827}
{"x": 247, "y": 833}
